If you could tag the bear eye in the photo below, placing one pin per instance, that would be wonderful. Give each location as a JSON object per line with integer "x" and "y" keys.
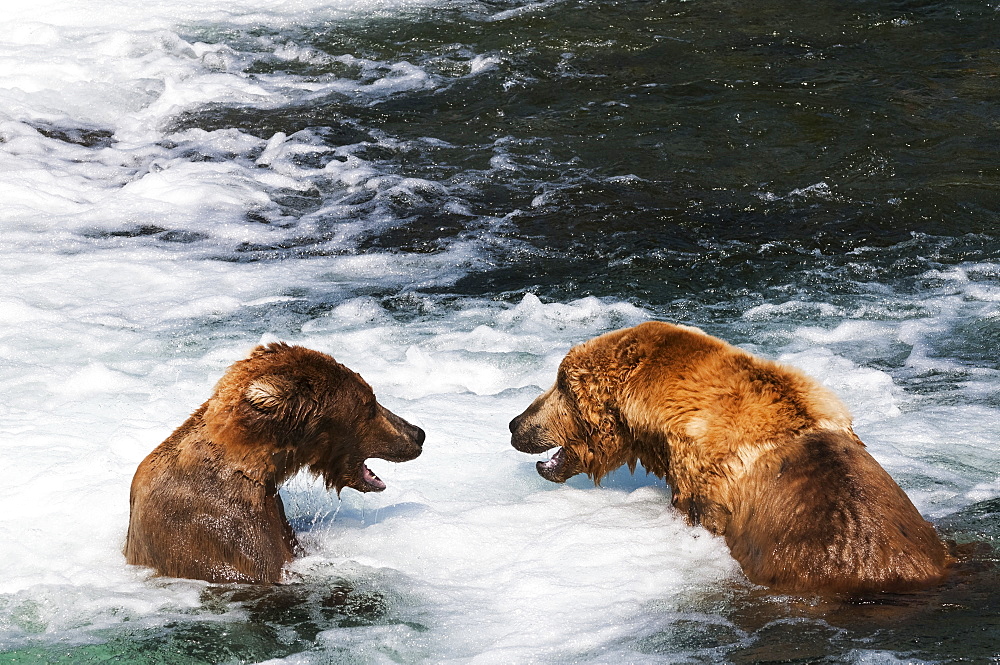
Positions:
{"x": 372, "y": 409}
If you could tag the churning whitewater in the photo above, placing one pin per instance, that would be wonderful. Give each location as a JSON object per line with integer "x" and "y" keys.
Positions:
{"x": 446, "y": 196}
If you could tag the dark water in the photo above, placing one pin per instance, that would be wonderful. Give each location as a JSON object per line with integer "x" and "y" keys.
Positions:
{"x": 677, "y": 151}
{"x": 242, "y": 624}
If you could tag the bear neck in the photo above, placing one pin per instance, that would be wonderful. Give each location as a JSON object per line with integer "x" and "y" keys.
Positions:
{"x": 260, "y": 458}
{"x": 639, "y": 442}
{"x": 654, "y": 457}
{"x": 268, "y": 468}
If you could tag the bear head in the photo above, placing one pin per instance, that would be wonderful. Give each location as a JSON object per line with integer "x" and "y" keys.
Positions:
{"x": 580, "y": 414}
{"x": 287, "y": 408}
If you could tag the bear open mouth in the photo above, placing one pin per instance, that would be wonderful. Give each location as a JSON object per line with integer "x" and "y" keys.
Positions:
{"x": 371, "y": 482}
{"x": 553, "y": 469}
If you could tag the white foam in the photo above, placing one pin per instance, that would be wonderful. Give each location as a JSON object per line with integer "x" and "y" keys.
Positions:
{"x": 110, "y": 341}
{"x": 796, "y": 308}
{"x": 877, "y": 657}
{"x": 869, "y": 393}
{"x": 520, "y": 548}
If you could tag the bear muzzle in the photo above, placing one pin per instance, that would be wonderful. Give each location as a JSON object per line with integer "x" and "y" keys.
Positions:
{"x": 528, "y": 437}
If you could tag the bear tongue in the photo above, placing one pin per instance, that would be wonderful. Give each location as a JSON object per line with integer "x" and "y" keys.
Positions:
{"x": 370, "y": 479}
{"x": 555, "y": 461}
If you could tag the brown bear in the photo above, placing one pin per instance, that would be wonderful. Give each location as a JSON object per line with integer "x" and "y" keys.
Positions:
{"x": 205, "y": 503}
{"x": 753, "y": 450}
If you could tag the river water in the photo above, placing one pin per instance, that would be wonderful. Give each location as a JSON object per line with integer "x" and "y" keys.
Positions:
{"x": 446, "y": 196}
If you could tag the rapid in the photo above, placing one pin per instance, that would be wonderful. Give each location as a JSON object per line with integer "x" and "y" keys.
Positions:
{"x": 446, "y": 195}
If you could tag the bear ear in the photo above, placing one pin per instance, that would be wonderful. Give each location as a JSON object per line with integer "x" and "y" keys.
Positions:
{"x": 628, "y": 355}
{"x": 267, "y": 349}
{"x": 269, "y": 392}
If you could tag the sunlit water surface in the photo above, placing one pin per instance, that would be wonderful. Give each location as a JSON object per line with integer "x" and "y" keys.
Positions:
{"x": 446, "y": 196}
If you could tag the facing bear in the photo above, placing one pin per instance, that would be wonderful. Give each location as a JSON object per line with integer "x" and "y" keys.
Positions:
{"x": 753, "y": 450}
{"x": 205, "y": 503}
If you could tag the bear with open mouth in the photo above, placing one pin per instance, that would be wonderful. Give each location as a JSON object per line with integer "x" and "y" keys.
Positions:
{"x": 753, "y": 450}
{"x": 205, "y": 503}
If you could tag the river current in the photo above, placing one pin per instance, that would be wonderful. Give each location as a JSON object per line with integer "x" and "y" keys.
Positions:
{"x": 446, "y": 195}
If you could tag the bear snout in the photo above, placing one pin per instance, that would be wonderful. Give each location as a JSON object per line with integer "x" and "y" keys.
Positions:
{"x": 405, "y": 443}
{"x": 416, "y": 436}
{"x": 515, "y": 424}
{"x": 528, "y": 437}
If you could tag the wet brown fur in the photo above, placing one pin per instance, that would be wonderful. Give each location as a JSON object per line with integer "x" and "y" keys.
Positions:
{"x": 753, "y": 450}
{"x": 205, "y": 503}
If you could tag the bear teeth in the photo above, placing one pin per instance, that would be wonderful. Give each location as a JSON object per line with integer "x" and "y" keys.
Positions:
{"x": 371, "y": 479}
{"x": 555, "y": 460}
